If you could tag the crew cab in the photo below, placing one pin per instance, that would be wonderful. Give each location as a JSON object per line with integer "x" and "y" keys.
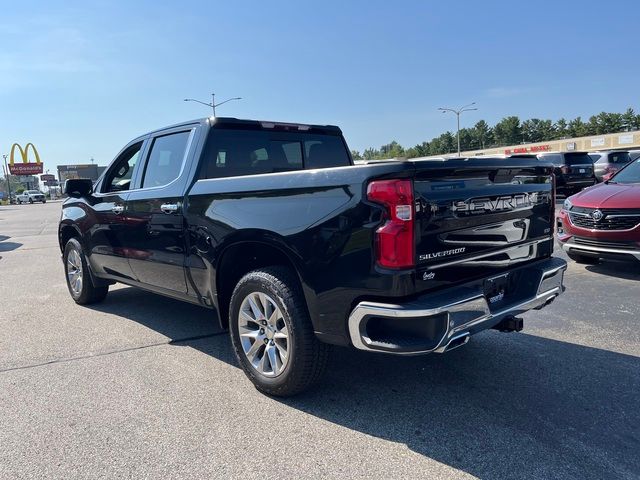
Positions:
{"x": 296, "y": 248}
{"x": 30, "y": 196}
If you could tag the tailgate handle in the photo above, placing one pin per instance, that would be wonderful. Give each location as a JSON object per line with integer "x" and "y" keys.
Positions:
{"x": 169, "y": 207}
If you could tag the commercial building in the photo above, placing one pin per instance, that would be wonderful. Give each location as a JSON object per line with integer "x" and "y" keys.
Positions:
{"x": 611, "y": 141}
{"x": 89, "y": 170}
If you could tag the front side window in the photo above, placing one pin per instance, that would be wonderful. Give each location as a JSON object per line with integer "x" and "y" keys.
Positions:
{"x": 119, "y": 177}
{"x": 165, "y": 159}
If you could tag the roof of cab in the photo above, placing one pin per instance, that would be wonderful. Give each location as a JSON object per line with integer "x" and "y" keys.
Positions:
{"x": 239, "y": 123}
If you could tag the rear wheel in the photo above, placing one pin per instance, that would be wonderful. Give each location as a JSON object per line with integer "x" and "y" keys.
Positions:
{"x": 79, "y": 283}
{"x": 272, "y": 333}
{"x": 30, "y": 200}
{"x": 585, "y": 259}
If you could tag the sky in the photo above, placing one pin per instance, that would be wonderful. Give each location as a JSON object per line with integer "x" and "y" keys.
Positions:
{"x": 81, "y": 79}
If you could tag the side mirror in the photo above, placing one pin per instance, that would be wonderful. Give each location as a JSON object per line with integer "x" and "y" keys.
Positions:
{"x": 78, "y": 187}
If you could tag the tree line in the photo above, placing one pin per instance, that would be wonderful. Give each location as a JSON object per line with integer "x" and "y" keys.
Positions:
{"x": 508, "y": 131}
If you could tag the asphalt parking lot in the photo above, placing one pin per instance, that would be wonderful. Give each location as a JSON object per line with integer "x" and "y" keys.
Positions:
{"x": 144, "y": 386}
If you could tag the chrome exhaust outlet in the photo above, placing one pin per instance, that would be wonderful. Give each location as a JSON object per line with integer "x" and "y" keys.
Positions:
{"x": 455, "y": 342}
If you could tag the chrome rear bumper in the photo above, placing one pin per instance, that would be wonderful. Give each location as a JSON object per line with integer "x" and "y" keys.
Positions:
{"x": 451, "y": 316}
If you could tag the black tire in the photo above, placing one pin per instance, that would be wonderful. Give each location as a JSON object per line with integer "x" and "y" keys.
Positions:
{"x": 31, "y": 200}
{"x": 88, "y": 292}
{"x": 307, "y": 357}
{"x": 44, "y": 201}
{"x": 585, "y": 259}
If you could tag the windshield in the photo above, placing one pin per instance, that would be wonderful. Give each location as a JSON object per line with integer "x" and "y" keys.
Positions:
{"x": 33, "y": 192}
{"x": 630, "y": 174}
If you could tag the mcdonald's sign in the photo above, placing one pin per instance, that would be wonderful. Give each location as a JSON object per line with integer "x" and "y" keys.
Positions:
{"x": 26, "y": 167}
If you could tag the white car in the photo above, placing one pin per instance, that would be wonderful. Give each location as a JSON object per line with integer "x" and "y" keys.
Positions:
{"x": 30, "y": 196}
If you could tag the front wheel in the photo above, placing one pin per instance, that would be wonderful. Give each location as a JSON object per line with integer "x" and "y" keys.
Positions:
{"x": 44, "y": 201}
{"x": 31, "y": 200}
{"x": 272, "y": 333}
{"x": 76, "y": 270}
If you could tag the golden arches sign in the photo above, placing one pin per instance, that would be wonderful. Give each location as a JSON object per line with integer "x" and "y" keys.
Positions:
{"x": 24, "y": 168}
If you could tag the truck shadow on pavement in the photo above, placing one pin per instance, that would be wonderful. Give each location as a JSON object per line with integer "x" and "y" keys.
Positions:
{"x": 8, "y": 246}
{"x": 504, "y": 406}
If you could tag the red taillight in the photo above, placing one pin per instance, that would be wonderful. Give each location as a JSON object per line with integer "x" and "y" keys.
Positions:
{"x": 395, "y": 244}
{"x": 564, "y": 169}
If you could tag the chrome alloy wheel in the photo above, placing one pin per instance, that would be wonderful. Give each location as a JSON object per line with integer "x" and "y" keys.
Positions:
{"x": 264, "y": 334}
{"x": 74, "y": 271}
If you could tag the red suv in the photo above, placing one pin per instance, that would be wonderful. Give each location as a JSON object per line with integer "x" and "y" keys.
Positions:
{"x": 603, "y": 221}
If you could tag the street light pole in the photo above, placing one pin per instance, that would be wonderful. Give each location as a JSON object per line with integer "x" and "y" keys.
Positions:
{"x": 213, "y": 103}
{"x": 457, "y": 113}
{"x": 6, "y": 177}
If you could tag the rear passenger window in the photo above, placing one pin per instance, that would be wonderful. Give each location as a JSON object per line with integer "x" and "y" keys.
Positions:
{"x": 232, "y": 153}
{"x": 165, "y": 159}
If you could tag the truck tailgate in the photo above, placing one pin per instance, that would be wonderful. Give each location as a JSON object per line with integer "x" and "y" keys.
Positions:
{"x": 478, "y": 217}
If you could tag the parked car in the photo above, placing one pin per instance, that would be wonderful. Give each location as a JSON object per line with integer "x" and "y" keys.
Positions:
{"x": 608, "y": 162}
{"x": 603, "y": 222}
{"x": 30, "y": 196}
{"x": 296, "y": 248}
{"x": 634, "y": 155}
{"x": 573, "y": 170}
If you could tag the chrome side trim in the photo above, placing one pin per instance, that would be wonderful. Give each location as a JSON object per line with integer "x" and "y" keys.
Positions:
{"x": 485, "y": 254}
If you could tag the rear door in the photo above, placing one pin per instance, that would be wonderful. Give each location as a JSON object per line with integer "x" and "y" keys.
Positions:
{"x": 473, "y": 220}
{"x": 155, "y": 210}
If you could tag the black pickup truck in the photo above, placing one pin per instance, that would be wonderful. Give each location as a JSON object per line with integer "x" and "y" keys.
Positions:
{"x": 296, "y": 248}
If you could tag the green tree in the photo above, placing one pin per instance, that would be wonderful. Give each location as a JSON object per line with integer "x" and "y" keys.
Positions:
{"x": 370, "y": 154}
{"x": 355, "y": 154}
{"x": 630, "y": 121}
{"x": 577, "y": 128}
{"x": 560, "y": 129}
{"x": 392, "y": 150}
{"x": 482, "y": 134}
{"x": 508, "y": 131}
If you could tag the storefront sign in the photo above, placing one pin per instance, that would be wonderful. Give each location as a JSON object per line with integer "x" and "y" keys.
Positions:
{"x": 597, "y": 142}
{"x": 26, "y": 167}
{"x": 532, "y": 149}
{"x": 625, "y": 139}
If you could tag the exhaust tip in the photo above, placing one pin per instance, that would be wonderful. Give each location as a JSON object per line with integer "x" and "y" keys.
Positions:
{"x": 456, "y": 342}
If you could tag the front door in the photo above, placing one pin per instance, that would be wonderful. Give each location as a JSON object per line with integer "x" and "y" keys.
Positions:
{"x": 108, "y": 237}
{"x": 156, "y": 243}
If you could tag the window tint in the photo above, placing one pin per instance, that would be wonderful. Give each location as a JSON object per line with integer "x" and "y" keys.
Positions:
{"x": 232, "y": 153}
{"x": 630, "y": 174}
{"x": 595, "y": 157}
{"x": 619, "y": 157}
{"x": 165, "y": 159}
{"x": 554, "y": 158}
{"x": 119, "y": 176}
{"x": 578, "y": 159}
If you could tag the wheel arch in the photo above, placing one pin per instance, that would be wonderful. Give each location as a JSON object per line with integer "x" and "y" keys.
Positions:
{"x": 241, "y": 257}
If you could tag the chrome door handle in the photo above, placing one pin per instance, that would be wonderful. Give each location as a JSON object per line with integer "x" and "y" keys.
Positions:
{"x": 117, "y": 209}
{"x": 169, "y": 207}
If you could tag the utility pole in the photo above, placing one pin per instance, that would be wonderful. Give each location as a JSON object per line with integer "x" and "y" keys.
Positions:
{"x": 457, "y": 113}
{"x": 6, "y": 177}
